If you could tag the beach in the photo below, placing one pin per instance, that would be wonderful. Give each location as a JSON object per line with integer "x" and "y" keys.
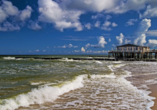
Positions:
{"x": 153, "y": 89}
{"x": 68, "y": 84}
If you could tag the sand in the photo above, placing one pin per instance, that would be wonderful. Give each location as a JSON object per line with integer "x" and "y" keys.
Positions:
{"x": 153, "y": 89}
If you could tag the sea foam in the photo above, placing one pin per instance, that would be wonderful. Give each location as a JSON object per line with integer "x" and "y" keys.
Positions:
{"x": 41, "y": 95}
{"x": 9, "y": 58}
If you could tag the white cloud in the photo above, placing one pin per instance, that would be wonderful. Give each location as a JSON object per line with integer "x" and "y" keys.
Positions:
{"x": 109, "y": 40}
{"x": 7, "y": 9}
{"x": 131, "y": 22}
{"x": 76, "y": 51}
{"x": 107, "y": 23}
{"x": 113, "y": 45}
{"x": 51, "y": 12}
{"x": 152, "y": 43}
{"x": 37, "y": 50}
{"x": 83, "y": 50}
{"x": 90, "y": 5}
{"x": 67, "y": 46}
{"x": 151, "y": 33}
{"x": 127, "y": 41}
{"x": 98, "y": 15}
{"x": 106, "y": 26}
{"x": 87, "y": 45}
{"x": 143, "y": 28}
{"x": 97, "y": 52}
{"x": 108, "y": 6}
{"x": 88, "y": 26}
{"x": 34, "y": 25}
{"x": 97, "y": 24}
{"x": 10, "y": 12}
{"x": 101, "y": 43}
{"x": 114, "y": 24}
{"x": 25, "y": 14}
{"x": 150, "y": 12}
{"x": 6, "y": 26}
{"x": 108, "y": 17}
{"x": 120, "y": 38}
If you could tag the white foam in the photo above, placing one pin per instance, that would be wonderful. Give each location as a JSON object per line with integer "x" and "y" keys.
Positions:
{"x": 151, "y": 81}
{"x": 36, "y": 83}
{"x": 9, "y": 58}
{"x": 98, "y": 62}
{"x": 117, "y": 62}
{"x": 120, "y": 65}
{"x": 41, "y": 95}
{"x": 110, "y": 67}
{"x": 19, "y": 58}
{"x": 66, "y": 59}
{"x": 102, "y": 76}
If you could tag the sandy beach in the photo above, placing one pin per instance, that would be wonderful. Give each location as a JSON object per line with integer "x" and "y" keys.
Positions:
{"x": 153, "y": 89}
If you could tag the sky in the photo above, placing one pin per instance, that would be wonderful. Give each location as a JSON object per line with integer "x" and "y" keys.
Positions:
{"x": 59, "y": 27}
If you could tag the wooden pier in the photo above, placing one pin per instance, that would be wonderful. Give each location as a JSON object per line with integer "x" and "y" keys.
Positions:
{"x": 130, "y": 52}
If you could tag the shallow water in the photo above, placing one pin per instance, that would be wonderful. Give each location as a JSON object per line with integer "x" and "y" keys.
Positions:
{"x": 68, "y": 84}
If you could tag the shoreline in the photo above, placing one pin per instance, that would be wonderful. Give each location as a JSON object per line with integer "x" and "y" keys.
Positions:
{"x": 153, "y": 89}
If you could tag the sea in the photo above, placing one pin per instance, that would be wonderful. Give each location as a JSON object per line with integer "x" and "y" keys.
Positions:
{"x": 67, "y": 84}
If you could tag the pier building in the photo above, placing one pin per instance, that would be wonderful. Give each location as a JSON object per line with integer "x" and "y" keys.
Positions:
{"x": 132, "y": 52}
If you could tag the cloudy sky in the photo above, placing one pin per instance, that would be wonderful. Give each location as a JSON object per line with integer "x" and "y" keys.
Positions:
{"x": 75, "y": 26}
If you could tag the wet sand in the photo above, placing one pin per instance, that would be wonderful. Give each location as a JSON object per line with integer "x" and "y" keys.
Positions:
{"x": 140, "y": 75}
{"x": 153, "y": 89}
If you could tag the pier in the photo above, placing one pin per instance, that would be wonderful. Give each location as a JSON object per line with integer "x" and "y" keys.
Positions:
{"x": 130, "y": 52}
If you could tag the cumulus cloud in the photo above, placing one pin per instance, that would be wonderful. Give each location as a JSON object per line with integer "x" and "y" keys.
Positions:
{"x": 109, "y": 40}
{"x": 152, "y": 43}
{"x": 98, "y": 15}
{"x": 108, "y": 17}
{"x": 114, "y": 24}
{"x": 51, "y": 12}
{"x": 90, "y": 5}
{"x": 7, "y": 11}
{"x": 106, "y": 26}
{"x": 6, "y": 26}
{"x": 25, "y": 14}
{"x": 83, "y": 50}
{"x": 127, "y": 41}
{"x": 120, "y": 38}
{"x": 97, "y": 52}
{"x": 101, "y": 43}
{"x": 34, "y": 25}
{"x": 143, "y": 28}
{"x": 108, "y": 6}
{"x": 97, "y": 24}
{"x": 131, "y": 22}
{"x": 88, "y": 26}
{"x": 37, "y": 50}
{"x": 150, "y": 12}
{"x": 67, "y": 46}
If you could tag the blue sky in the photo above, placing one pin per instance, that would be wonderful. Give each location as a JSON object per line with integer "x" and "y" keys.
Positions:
{"x": 75, "y": 26}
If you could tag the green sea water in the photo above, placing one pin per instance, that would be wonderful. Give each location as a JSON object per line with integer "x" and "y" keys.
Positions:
{"x": 19, "y": 76}
{"x": 25, "y": 82}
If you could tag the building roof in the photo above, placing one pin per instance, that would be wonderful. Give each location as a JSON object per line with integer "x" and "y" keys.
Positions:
{"x": 130, "y": 45}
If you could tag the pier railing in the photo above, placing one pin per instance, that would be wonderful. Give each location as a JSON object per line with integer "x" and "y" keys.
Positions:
{"x": 133, "y": 50}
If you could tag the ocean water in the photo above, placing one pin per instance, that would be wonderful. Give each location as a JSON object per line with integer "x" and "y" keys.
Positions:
{"x": 75, "y": 84}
